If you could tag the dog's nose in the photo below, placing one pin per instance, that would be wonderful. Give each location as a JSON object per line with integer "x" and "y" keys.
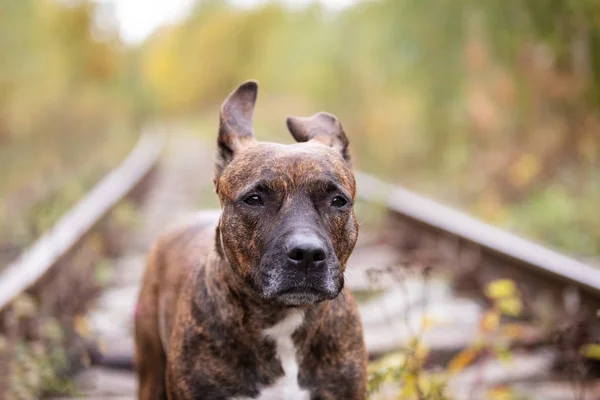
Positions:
{"x": 306, "y": 249}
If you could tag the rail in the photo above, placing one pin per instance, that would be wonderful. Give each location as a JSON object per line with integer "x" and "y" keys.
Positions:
{"x": 40, "y": 257}
{"x": 37, "y": 260}
{"x": 441, "y": 218}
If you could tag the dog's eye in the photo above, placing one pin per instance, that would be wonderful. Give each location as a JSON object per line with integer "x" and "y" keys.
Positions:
{"x": 339, "y": 202}
{"x": 253, "y": 200}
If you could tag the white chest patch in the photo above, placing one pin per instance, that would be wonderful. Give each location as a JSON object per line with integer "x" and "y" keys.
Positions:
{"x": 286, "y": 387}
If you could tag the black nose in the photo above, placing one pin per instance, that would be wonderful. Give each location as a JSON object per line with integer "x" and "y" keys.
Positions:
{"x": 306, "y": 249}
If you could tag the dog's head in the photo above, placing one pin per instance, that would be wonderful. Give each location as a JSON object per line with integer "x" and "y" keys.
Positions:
{"x": 287, "y": 226}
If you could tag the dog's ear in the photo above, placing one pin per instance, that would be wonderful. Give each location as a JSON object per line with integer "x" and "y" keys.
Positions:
{"x": 322, "y": 127}
{"x": 235, "y": 123}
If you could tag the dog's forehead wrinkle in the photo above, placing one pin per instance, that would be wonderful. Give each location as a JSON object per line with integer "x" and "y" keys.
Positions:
{"x": 283, "y": 170}
{"x": 278, "y": 151}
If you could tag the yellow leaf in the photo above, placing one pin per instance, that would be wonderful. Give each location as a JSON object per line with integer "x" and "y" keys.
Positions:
{"x": 591, "y": 351}
{"x": 501, "y": 393}
{"x": 524, "y": 170}
{"x": 25, "y": 306}
{"x": 410, "y": 385}
{"x": 50, "y": 329}
{"x": 81, "y": 326}
{"x": 512, "y": 331}
{"x": 503, "y": 353}
{"x": 490, "y": 321}
{"x": 428, "y": 322}
{"x": 491, "y": 207}
{"x": 501, "y": 288}
{"x": 510, "y": 306}
{"x": 461, "y": 360}
{"x": 421, "y": 351}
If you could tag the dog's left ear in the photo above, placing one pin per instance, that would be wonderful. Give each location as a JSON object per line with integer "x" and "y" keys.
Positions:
{"x": 321, "y": 127}
{"x": 235, "y": 123}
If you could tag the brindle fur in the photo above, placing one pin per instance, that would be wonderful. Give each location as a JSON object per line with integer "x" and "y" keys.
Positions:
{"x": 204, "y": 287}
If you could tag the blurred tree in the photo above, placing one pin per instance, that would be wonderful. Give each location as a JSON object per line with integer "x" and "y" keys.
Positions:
{"x": 60, "y": 103}
{"x": 497, "y": 98}
{"x": 483, "y": 103}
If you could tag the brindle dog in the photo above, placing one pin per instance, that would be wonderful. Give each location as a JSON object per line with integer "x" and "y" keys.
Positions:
{"x": 253, "y": 305}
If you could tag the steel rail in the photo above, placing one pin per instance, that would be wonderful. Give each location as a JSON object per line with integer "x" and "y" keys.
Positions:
{"x": 42, "y": 255}
{"x": 38, "y": 259}
{"x": 525, "y": 253}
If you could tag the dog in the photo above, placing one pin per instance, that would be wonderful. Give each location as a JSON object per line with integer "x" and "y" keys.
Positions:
{"x": 250, "y": 303}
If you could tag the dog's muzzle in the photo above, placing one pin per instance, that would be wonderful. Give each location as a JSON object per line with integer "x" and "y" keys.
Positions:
{"x": 306, "y": 270}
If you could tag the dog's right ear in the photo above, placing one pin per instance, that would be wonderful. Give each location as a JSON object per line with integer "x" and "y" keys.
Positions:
{"x": 322, "y": 127}
{"x": 235, "y": 123}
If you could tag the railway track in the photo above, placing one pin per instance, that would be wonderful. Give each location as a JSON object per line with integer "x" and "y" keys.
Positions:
{"x": 464, "y": 255}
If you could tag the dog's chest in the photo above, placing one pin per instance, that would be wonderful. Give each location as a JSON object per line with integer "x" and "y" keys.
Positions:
{"x": 285, "y": 387}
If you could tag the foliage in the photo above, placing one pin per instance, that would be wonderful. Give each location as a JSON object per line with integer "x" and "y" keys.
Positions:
{"x": 444, "y": 98}
{"x": 490, "y": 105}
{"x": 64, "y": 114}
{"x": 405, "y": 375}
{"x": 46, "y": 335}
{"x": 406, "y": 370}
{"x": 36, "y": 365}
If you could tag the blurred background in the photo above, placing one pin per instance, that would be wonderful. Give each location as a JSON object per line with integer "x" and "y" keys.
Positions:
{"x": 488, "y": 106}
{"x": 491, "y": 107}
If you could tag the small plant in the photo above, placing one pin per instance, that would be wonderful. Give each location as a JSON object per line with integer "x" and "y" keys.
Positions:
{"x": 37, "y": 364}
{"x": 402, "y": 376}
{"x": 406, "y": 370}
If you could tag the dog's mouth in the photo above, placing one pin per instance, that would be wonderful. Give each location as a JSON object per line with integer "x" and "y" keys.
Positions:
{"x": 292, "y": 286}
{"x": 298, "y": 296}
